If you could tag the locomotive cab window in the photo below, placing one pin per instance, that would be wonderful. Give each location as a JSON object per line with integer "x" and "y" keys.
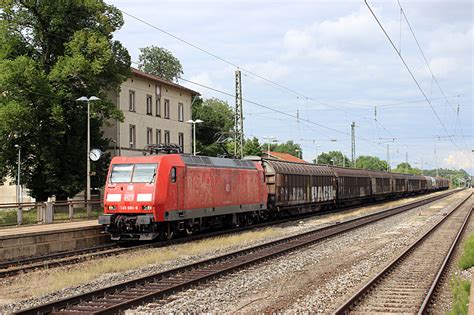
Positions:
{"x": 121, "y": 173}
{"x": 144, "y": 173}
{"x": 133, "y": 173}
{"x": 173, "y": 175}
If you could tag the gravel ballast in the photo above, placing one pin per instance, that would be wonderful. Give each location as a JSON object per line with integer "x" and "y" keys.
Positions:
{"x": 243, "y": 287}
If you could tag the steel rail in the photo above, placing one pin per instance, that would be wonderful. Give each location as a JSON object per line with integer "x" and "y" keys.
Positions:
{"x": 145, "y": 289}
{"x": 442, "y": 269}
{"x": 345, "y": 308}
{"x": 14, "y": 267}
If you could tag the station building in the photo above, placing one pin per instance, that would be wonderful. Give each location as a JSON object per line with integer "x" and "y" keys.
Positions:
{"x": 155, "y": 112}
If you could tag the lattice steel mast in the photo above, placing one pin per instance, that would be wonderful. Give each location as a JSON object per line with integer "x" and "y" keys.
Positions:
{"x": 239, "y": 116}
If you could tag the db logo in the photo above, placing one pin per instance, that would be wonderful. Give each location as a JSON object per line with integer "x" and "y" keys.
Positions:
{"x": 128, "y": 197}
{"x": 227, "y": 187}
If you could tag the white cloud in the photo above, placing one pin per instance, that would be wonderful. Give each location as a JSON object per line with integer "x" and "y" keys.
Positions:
{"x": 457, "y": 160}
{"x": 271, "y": 70}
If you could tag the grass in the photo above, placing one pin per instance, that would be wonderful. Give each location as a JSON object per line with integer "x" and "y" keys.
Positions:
{"x": 467, "y": 259}
{"x": 8, "y": 216}
{"x": 460, "y": 290}
{"x": 39, "y": 283}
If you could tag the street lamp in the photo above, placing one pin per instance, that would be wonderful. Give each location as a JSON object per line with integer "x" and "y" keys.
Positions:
{"x": 269, "y": 140}
{"x": 88, "y": 184}
{"x": 19, "y": 197}
{"x": 18, "y": 176}
{"x": 194, "y": 122}
{"x": 298, "y": 151}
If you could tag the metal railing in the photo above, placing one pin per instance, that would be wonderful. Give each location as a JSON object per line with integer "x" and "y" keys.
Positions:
{"x": 48, "y": 212}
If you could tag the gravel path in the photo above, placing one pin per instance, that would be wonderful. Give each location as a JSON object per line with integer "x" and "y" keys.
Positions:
{"x": 20, "y": 292}
{"x": 313, "y": 279}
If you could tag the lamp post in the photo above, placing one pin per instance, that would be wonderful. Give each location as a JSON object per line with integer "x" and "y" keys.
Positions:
{"x": 19, "y": 197}
{"x": 88, "y": 183}
{"x": 194, "y": 122}
{"x": 270, "y": 140}
{"x": 298, "y": 151}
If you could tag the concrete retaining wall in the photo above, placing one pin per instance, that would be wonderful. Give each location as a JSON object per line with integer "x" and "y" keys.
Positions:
{"x": 42, "y": 243}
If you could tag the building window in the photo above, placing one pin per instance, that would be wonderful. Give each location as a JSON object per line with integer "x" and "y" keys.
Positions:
{"x": 158, "y": 136}
{"x": 149, "y": 102}
{"x": 180, "y": 112}
{"x": 167, "y": 109}
{"x": 149, "y": 135}
{"x": 132, "y": 137}
{"x": 167, "y": 137}
{"x": 158, "y": 107}
{"x": 181, "y": 141}
{"x": 131, "y": 104}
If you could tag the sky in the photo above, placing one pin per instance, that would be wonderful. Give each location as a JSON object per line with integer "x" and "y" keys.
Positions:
{"x": 311, "y": 68}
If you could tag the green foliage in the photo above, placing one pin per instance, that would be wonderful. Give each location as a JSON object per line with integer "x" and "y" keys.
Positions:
{"x": 460, "y": 290}
{"x": 217, "y": 117}
{"x": 52, "y": 53}
{"x": 160, "y": 62}
{"x": 333, "y": 158}
{"x": 252, "y": 147}
{"x": 371, "y": 163}
{"x": 467, "y": 259}
{"x": 405, "y": 168}
{"x": 288, "y": 147}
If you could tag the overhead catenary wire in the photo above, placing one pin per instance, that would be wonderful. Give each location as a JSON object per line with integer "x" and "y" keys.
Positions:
{"x": 243, "y": 69}
{"x": 431, "y": 72}
{"x": 277, "y": 110}
{"x": 411, "y": 74}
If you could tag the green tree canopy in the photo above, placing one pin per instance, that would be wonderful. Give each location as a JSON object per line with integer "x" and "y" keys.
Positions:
{"x": 51, "y": 54}
{"x": 333, "y": 158}
{"x": 253, "y": 147}
{"x": 371, "y": 163}
{"x": 217, "y": 117}
{"x": 288, "y": 147}
{"x": 405, "y": 168}
{"x": 160, "y": 62}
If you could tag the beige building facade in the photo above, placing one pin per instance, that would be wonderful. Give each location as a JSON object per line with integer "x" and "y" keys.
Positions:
{"x": 155, "y": 112}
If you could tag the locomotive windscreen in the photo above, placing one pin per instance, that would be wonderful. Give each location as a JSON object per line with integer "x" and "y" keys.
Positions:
{"x": 133, "y": 173}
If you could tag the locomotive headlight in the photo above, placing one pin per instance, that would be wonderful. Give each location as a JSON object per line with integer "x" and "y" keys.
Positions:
{"x": 147, "y": 207}
{"x": 112, "y": 207}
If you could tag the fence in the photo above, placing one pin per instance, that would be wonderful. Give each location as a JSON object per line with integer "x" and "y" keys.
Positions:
{"x": 48, "y": 212}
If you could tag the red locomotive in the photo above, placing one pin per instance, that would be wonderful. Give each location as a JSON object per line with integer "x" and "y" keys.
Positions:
{"x": 159, "y": 196}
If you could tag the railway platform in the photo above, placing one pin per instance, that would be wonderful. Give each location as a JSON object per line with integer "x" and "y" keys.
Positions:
{"x": 41, "y": 239}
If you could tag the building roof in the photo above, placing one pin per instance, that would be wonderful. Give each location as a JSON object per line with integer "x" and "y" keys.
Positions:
{"x": 285, "y": 157}
{"x": 156, "y": 79}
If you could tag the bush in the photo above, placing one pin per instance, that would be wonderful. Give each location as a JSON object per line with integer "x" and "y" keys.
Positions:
{"x": 460, "y": 290}
{"x": 467, "y": 259}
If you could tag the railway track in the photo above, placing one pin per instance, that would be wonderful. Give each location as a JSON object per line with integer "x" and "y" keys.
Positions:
{"x": 132, "y": 293}
{"x": 14, "y": 267}
{"x": 408, "y": 283}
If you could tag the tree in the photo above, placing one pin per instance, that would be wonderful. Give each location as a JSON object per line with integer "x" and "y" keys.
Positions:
{"x": 217, "y": 117}
{"x": 50, "y": 56}
{"x": 160, "y": 62}
{"x": 288, "y": 147}
{"x": 333, "y": 158}
{"x": 253, "y": 147}
{"x": 405, "y": 168}
{"x": 371, "y": 163}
